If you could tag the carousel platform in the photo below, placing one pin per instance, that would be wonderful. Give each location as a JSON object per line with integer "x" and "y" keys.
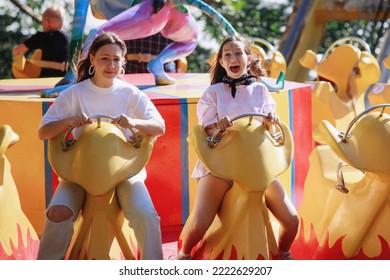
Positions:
{"x": 169, "y": 182}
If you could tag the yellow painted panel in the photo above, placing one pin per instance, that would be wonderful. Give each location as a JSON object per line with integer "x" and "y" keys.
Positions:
{"x": 27, "y": 157}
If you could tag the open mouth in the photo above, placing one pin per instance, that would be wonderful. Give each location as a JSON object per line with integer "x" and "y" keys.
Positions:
{"x": 235, "y": 69}
{"x": 320, "y": 78}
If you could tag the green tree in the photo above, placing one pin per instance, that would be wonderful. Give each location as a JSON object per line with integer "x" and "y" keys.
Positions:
{"x": 9, "y": 40}
{"x": 249, "y": 17}
{"x": 252, "y": 18}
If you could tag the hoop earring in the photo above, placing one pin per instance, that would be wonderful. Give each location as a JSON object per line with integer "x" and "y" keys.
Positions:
{"x": 91, "y": 70}
{"x": 121, "y": 72}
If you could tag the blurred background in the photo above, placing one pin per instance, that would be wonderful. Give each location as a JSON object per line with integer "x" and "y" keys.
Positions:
{"x": 276, "y": 21}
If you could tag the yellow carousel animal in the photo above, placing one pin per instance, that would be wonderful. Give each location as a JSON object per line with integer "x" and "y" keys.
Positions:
{"x": 242, "y": 228}
{"x": 345, "y": 212}
{"x": 18, "y": 239}
{"x": 98, "y": 160}
{"x": 344, "y": 74}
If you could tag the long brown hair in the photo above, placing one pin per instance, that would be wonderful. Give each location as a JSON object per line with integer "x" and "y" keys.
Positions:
{"x": 103, "y": 39}
{"x": 217, "y": 72}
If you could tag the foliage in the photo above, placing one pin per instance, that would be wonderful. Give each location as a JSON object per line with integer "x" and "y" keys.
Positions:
{"x": 9, "y": 40}
{"x": 253, "y": 18}
{"x": 370, "y": 31}
{"x": 248, "y": 17}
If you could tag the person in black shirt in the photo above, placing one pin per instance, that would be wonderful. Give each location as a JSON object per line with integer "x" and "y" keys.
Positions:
{"x": 53, "y": 43}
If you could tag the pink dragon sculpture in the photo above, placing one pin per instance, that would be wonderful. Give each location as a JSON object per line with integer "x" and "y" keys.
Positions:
{"x": 140, "y": 19}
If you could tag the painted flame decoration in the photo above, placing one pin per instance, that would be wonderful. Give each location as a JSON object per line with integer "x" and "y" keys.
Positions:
{"x": 20, "y": 250}
{"x": 18, "y": 239}
{"x": 310, "y": 249}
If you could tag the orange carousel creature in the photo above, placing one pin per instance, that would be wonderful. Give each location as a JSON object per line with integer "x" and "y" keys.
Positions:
{"x": 345, "y": 209}
{"x": 18, "y": 239}
{"x": 242, "y": 229}
{"x": 99, "y": 160}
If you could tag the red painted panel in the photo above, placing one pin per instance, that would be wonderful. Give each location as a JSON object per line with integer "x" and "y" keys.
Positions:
{"x": 303, "y": 143}
{"x": 165, "y": 169}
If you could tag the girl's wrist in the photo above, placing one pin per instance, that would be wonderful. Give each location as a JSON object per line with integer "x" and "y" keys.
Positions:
{"x": 132, "y": 123}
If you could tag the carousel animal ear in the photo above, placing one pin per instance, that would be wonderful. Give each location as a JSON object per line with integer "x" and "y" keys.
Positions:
{"x": 309, "y": 60}
{"x": 277, "y": 64}
{"x": 7, "y": 138}
{"x": 327, "y": 134}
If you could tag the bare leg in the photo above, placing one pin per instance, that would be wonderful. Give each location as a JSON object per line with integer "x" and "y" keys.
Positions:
{"x": 282, "y": 208}
{"x": 209, "y": 195}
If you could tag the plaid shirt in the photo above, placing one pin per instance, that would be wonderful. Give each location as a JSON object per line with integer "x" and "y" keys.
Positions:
{"x": 149, "y": 45}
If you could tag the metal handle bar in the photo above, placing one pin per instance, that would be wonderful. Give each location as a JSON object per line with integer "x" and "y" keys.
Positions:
{"x": 67, "y": 144}
{"x": 345, "y": 136}
{"x": 213, "y": 141}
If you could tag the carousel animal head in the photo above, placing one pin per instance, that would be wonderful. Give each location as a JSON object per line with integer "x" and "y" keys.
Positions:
{"x": 18, "y": 239}
{"x": 345, "y": 66}
{"x": 364, "y": 146}
{"x": 344, "y": 74}
{"x": 100, "y": 158}
{"x": 245, "y": 149}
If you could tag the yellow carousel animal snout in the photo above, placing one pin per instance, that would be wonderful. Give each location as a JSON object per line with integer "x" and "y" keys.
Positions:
{"x": 100, "y": 159}
{"x": 344, "y": 74}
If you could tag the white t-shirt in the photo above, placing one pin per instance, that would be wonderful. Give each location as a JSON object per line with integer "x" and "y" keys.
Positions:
{"x": 85, "y": 97}
{"x": 217, "y": 102}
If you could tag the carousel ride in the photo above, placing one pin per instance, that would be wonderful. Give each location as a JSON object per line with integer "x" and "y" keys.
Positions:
{"x": 330, "y": 154}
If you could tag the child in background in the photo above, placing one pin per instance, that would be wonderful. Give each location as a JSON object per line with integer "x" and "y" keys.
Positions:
{"x": 53, "y": 42}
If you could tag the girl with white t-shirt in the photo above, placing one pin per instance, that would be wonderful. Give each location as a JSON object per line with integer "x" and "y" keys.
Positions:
{"x": 98, "y": 91}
